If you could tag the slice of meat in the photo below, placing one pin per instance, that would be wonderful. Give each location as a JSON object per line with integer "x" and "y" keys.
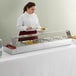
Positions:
{"x": 10, "y": 46}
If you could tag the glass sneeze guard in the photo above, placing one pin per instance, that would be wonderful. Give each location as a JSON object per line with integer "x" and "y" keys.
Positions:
{"x": 42, "y": 37}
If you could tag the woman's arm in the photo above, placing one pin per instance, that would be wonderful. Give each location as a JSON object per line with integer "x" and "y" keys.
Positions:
{"x": 38, "y": 23}
{"x": 20, "y": 24}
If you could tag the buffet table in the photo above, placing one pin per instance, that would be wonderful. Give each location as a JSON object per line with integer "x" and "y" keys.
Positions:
{"x": 59, "y": 61}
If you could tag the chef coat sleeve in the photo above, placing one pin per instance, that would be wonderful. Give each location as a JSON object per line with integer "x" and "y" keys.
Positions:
{"x": 20, "y": 24}
{"x": 38, "y": 24}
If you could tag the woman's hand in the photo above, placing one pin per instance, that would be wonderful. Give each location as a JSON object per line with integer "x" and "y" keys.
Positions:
{"x": 29, "y": 28}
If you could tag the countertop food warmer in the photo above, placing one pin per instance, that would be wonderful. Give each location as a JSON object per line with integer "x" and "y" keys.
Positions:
{"x": 33, "y": 41}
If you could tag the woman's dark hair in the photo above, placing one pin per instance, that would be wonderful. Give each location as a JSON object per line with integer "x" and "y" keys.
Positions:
{"x": 28, "y": 5}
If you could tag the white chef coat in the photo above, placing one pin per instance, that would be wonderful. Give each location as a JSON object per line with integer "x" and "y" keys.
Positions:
{"x": 26, "y": 20}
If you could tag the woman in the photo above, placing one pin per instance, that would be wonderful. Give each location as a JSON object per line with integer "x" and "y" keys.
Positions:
{"x": 28, "y": 20}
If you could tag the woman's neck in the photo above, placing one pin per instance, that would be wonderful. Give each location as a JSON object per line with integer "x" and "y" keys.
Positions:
{"x": 28, "y": 13}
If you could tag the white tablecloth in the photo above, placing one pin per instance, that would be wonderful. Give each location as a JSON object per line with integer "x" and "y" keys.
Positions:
{"x": 59, "y": 61}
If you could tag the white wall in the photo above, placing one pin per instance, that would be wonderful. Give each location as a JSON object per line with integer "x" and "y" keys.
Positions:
{"x": 54, "y": 14}
{"x": 71, "y": 12}
{"x": 58, "y": 15}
